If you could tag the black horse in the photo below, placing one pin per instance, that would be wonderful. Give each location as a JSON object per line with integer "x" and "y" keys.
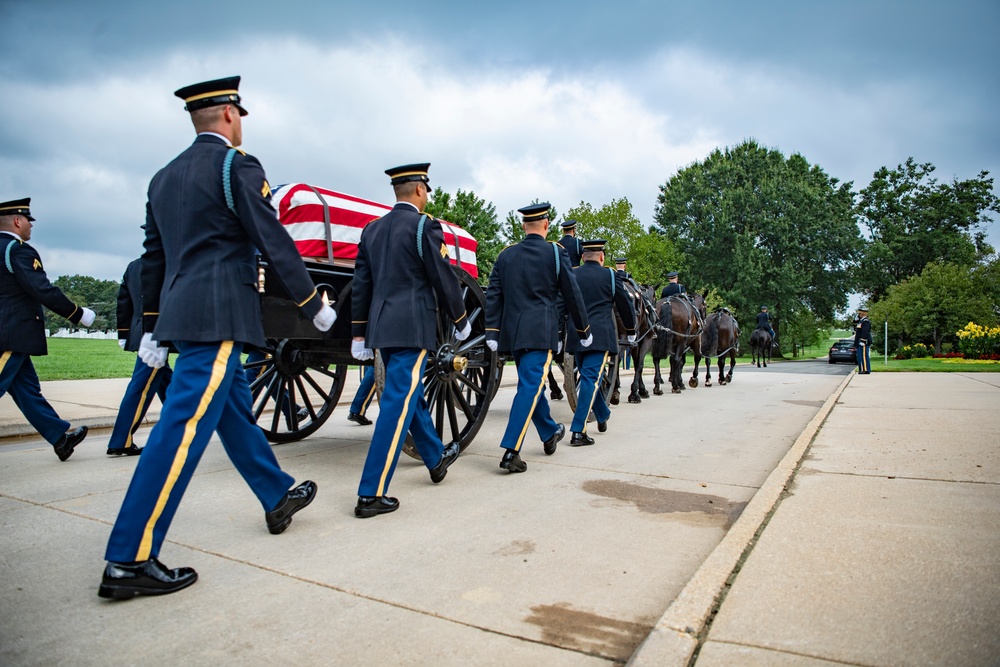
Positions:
{"x": 680, "y": 321}
{"x": 645, "y": 329}
{"x": 721, "y": 338}
{"x": 760, "y": 346}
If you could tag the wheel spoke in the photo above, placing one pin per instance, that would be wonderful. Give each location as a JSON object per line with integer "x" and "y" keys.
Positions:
{"x": 469, "y": 343}
{"x": 456, "y": 431}
{"x": 325, "y": 371}
{"x": 464, "y": 404}
{"x": 304, "y": 397}
{"x": 262, "y": 378}
{"x": 470, "y": 384}
{"x": 279, "y": 396}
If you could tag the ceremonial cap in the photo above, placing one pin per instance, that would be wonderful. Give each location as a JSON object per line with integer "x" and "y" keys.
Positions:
{"x": 620, "y": 260}
{"x": 763, "y": 307}
{"x": 409, "y": 172}
{"x": 672, "y": 274}
{"x": 535, "y": 212}
{"x": 568, "y": 225}
{"x": 863, "y": 308}
{"x": 212, "y": 93}
{"x": 596, "y": 245}
{"x": 17, "y": 207}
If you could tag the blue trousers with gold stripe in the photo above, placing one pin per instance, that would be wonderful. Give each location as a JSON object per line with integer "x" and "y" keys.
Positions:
{"x": 208, "y": 393}
{"x": 18, "y": 377}
{"x": 366, "y": 392}
{"x": 402, "y": 408}
{"x": 529, "y": 404}
{"x": 146, "y": 383}
{"x": 864, "y": 361}
{"x": 591, "y": 366}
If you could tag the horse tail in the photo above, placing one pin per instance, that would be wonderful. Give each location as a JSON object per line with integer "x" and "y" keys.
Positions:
{"x": 710, "y": 336}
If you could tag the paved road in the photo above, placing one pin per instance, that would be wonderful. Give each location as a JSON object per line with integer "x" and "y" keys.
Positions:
{"x": 570, "y": 563}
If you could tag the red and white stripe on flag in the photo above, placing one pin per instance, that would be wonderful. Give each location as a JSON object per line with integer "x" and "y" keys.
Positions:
{"x": 301, "y": 212}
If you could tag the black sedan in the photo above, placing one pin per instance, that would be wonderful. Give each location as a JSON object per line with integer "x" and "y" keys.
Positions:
{"x": 843, "y": 350}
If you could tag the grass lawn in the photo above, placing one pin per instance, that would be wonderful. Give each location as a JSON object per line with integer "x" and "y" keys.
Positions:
{"x": 84, "y": 359}
{"x": 935, "y": 366}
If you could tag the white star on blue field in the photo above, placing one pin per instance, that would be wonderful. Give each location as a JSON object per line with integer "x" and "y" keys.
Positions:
{"x": 517, "y": 101}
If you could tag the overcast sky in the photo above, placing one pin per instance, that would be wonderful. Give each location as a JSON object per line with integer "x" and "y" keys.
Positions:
{"x": 515, "y": 100}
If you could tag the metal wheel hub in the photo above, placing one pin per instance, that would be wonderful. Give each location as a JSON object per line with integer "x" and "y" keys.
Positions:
{"x": 446, "y": 361}
{"x": 289, "y": 359}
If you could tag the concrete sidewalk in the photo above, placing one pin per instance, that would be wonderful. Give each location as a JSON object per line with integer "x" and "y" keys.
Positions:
{"x": 884, "y": 548}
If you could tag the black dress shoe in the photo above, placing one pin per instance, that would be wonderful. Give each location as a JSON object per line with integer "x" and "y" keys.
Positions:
{"x": 602, "y": 427}
{"x": 359, "y": 419}
{"x": 550, "y": 444}
{"x": 369, "y": 506}
{"x": 70, "y": 439}
{"x": 302, "y": 414}
{"x": 580, "y": 439}
{"x": 124, "y": 451}
{"x": 512, "y": 462}
{"x": 451, "y": 453}
{"x": 299, "y": 497}
{"x": 150, "y": 577}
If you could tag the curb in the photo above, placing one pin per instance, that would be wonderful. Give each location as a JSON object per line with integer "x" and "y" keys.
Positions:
{"x": 677, "y": 635}
{"x": 23, "y": 430}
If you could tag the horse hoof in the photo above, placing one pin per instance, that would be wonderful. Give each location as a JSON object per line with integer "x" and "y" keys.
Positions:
{"x": 634, "y": 399}
{"x": 708, "y": 384}
{"x": 643, "y": 394}
{"x": 615, "y": 400}
{"x": 675, "y": 391}
{"x": 692, "y": 383}
{"x": 658, "y": 392}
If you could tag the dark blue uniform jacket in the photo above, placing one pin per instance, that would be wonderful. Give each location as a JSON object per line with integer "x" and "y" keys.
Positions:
{"x": 24, "y": 289}
{"x": 199, "y": 275}
{"x": 522, "y": 312}
{"x": 671, "y": 289}
{"x": 763, "y": 320}
{"x": 602, "y": 291}
{"x": 572, "y": 246}
{"x": 863, "y": 331}
{"x": 129, "y": 310}
{"x": 395, "y": 283}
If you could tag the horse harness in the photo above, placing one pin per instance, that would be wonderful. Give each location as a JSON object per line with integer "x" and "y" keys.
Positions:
{"x": 689, "y": 305}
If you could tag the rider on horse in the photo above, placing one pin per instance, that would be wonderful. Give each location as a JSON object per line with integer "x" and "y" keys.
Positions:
{"x": 647, "y": 304}
{"x": 764, "y": 323}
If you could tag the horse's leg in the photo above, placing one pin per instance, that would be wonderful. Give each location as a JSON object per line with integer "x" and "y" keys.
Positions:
{"x": 637, "y": 360}
{"x": 638, "y": 376}
{"x": 555, "y": 393}
{"x": 708, "y": 372}
{"x": 657, "y": 377}
{"x": 732, "y": 363}
{"x": 694, "y": 374}
{"x": 722, "y": 368}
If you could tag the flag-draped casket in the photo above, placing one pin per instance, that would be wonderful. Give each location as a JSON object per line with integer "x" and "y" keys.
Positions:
{"x": 303, "y": 210}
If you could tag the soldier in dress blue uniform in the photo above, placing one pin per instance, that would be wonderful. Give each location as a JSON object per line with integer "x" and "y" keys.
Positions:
{"x": 863, "y": 341}
{"x": 146, "y": 381}
{"x": 570, "y": 243}
{"x": 603, "y": 292}
{"x": 673, "y": 286}
{"x": 206, "y": 213}
{"x": 363, "y": 398}
{"x": 522, "y": 318}
{"x": 24, "y": 289}
{"x": 401, "y": 276}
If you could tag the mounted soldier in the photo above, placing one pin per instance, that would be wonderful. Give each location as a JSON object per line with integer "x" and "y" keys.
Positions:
{"x": 764, "y": 324}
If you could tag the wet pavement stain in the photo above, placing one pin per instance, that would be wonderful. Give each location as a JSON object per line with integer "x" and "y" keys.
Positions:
{"x": 713, "y": 510}
{"x": 808, "y": 404}
{"x": 517, "y": 548}
{"x": 587, "y": 632}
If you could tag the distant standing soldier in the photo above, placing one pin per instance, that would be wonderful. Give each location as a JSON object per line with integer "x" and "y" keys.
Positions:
{"x": 603, "y": 292}
{"x": 363, "y": 398}
{"x": 522, "y": 318}
{"x": 207, "y": 213}
{"x": 146, "y": 381}
{"x": 570, "y": 243}
{"x": 863, "y": 341}
{"x": 401, "y": 275}
{"x": 24, "y": 289}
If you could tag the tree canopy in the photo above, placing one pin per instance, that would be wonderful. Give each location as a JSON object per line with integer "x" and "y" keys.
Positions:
{"x": 101, "y": 296}
{"x": 763, "y": 229}
{"x": 913, "y": 220}
{"x": 476, "y": 216}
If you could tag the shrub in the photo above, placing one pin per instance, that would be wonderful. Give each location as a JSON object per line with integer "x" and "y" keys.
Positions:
{"x": 975, "y": 340}
{"x": 915, "y": 351}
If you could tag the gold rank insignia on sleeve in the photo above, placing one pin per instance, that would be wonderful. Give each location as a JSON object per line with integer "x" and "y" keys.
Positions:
{"x": 265, "y": 191}
{"x": 36, "y": 265}
{"x": 444, "y": 251}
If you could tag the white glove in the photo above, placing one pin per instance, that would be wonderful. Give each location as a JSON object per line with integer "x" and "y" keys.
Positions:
{"x": 631, "y": 338}
{"x": 360, "y": 352}
{"x": 863, "y": 343}
{"x": 586, "y": 342}
{"x": 151, "y": 353}
{"x": 121, "y": 343}
{"x": 325, "y": 318}
{"x": 87, "y": 318}
{"x": 464, "y": 333}
{"x": 558, "y": 347}
{"x": 492, "y": 344}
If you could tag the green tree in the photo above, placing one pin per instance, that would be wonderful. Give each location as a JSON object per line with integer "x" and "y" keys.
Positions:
{"x": 513, "y": 229}
{"x": 932, "y": 306}
{"x": 101, "y": 296}
{"x": 476, "y": 216}
{"x": 763, "y": 229}
{"x": 913, "y": 220}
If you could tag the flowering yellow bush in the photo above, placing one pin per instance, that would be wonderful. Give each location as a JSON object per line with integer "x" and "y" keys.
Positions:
{"x": 976, "y": 340}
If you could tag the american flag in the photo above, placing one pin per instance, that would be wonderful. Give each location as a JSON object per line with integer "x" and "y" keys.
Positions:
{"x": 300, "y": 210}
